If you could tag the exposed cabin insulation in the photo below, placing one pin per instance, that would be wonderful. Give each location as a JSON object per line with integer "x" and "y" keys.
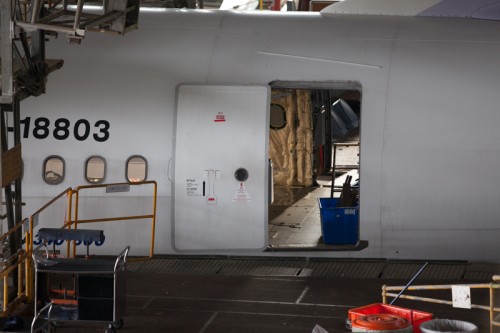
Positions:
{"x": 290, "y": 148}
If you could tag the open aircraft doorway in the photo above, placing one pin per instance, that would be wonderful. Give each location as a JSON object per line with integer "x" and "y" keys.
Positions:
{"x": 314, "y": 138}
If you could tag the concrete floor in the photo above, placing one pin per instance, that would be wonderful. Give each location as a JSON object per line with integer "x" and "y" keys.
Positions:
{"x": 243, "y": 295}
{"x": 257, "y": 304}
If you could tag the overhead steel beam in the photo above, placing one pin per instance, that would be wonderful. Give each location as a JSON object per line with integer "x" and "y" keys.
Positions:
{"x": 118, "y": 17}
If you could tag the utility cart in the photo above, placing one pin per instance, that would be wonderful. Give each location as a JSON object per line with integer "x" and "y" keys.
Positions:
{"x": 80, "y": 291}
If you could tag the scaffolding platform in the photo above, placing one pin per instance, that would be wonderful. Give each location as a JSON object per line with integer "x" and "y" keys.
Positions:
{"x": 51, "y": 65}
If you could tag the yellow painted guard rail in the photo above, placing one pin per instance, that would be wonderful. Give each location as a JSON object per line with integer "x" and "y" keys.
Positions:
{"x": 16, "y": 260}
{"x": 23, "y": 257}
{"x": 76, "y": 220}
{"x": 493, "y": 310}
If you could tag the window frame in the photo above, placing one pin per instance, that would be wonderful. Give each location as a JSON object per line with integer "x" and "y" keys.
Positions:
{"x": 44, "y": 168}
{"x": 283, "y": 110}
{"x": 145, "y": 168}
{"x": 85, "y": 176}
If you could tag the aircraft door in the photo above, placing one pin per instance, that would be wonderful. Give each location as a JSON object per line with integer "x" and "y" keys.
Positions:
{"x": 220, "y": 186}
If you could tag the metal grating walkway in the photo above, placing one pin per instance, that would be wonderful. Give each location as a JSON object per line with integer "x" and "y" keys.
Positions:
{"x": 304, "y": 267}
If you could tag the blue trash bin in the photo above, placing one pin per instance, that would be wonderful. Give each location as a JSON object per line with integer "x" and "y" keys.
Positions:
{"x": 339, "y": 225}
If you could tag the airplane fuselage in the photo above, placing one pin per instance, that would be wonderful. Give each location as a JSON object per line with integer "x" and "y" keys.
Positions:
{"x": 429, "y": 153}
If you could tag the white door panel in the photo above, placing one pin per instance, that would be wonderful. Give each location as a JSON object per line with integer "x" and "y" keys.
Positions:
{"x": 219, "y": 130}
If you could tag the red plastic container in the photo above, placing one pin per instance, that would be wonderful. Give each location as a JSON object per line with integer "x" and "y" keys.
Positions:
{"x": 415, "y": 317}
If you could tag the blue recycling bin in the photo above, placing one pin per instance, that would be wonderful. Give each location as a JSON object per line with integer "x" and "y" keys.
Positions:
{"x": 339, "y": 225}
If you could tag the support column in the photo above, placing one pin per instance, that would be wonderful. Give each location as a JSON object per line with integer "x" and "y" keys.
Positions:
{"x": 14, "y": 241}
{"x": 7, "y": 85}
{"x": 18, "y": 209}
{"x": 6, "y": 37}
{"x": 328, "y": 131}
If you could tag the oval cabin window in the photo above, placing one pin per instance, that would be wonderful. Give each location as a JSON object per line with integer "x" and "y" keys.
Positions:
{"x": 278, "y": 116}
{"x": 95, "y": 169}
{"x": 53, "y": 170}
{"x": 137, "y": 169}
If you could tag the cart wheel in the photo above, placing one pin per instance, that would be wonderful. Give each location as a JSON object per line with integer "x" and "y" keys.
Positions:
{"x": 118, "y": 324}
{"x": 110, "y": 329}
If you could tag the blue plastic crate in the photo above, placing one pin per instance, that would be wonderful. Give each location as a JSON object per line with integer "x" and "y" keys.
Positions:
{"x": 338, "y": 225}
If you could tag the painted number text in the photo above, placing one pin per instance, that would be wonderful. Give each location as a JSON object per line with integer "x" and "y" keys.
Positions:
{"x": 62, "y": 129}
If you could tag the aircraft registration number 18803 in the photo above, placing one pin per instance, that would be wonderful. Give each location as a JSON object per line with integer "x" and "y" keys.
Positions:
{"x": 62, "y": 129}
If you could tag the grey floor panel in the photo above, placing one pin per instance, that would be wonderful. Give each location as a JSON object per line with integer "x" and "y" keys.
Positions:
{"x": 344, "y": 293}
{"x": 264, "y": 323}
{"x": 481, "y": 272}
{"x": 340, "y": 269}
{"x": 290, "y": 267}
{"x": 134, "y": 266}
{"x": 183, "y": 266}
{"x": 443, "y": 272}
{"x": 165, "y": 321}
{"x": 401, "y": 270}
{"x": 478, "y": 276}
{"x": 292, "y": 214}
{"x": 217, "y": 287}
{"x": 262, "y": 267}
{"x": 242, "y": 306}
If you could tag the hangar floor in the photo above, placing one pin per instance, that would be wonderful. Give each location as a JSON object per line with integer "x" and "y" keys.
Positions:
{"x": 274, "y": 295}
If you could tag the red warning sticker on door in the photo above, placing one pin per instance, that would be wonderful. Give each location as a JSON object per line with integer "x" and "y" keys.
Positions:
{"x": 220, "y": 117}
{"x": 241, "y": 193}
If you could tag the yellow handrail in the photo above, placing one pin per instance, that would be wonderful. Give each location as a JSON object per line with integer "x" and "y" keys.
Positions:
{"x": 4, "y": 274}
{"x": 8, "y": 265}
{"x": 75, "y": 221}
{"x": 66, "y": 191}
{"x": 24, "y": 257}
{"x": 11, "y": 230}
{"x": 491, "y": 286}
{"x": 29, "y": 239}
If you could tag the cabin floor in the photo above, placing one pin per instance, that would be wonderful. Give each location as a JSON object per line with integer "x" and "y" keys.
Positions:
{"x": 294, "y": 215}
{"x": 274, "y": 295}
{"x": 294, "y": 218}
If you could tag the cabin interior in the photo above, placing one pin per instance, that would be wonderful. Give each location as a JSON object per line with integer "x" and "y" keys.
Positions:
{"x": 314, "y": 148}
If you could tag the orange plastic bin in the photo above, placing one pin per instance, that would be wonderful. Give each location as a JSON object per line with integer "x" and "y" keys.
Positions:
{"x": 415, "y": 317}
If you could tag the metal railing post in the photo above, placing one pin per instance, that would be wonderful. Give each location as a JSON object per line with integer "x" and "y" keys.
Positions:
{"x": 153, "y": 226}
{"x": 5, "y": 292}
{"x": 19, "y": 275}
{"x": 75, "y": 219}
{"x": 69, "y": 221}
{"x": 30, "y": 275}
{"x": 384, "y": 294}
